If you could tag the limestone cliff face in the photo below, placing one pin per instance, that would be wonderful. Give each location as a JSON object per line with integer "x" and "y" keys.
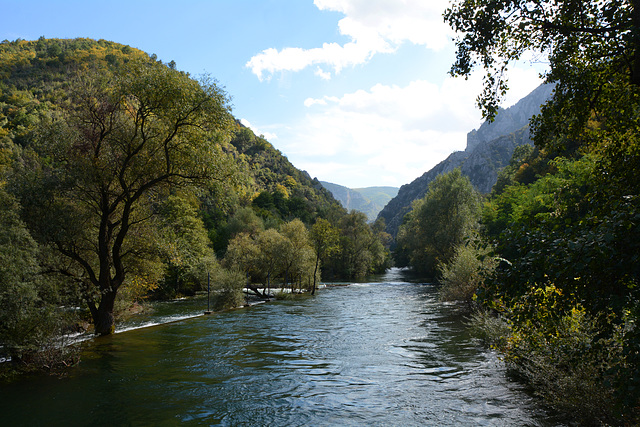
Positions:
{"x": 511, "y": 119}
{"x": 489, "y": 149}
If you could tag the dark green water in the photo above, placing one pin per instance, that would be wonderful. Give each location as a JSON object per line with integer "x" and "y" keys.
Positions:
{"x": 369, "y": 354}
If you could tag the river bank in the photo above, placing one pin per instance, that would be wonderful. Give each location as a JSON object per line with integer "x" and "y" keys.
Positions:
{"x": 386, "y": 353}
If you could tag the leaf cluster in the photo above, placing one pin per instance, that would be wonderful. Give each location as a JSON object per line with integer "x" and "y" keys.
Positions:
{"x": 439, "y": 222}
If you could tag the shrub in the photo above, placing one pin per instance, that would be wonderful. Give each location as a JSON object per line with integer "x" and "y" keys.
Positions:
{"x": 569, "y": 362}
{"x": 492, "y": 329}
{"x": 228, "y": 285}
{"x": 461, "y": 276}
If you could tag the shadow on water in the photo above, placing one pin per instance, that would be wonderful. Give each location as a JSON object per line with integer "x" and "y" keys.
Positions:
{"x": 380, "y": 353}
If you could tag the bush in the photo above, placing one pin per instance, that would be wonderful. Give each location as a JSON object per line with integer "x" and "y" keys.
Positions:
{"x": 31, "y": 327}
{"x": 492, "y": 329}
{"x": 569, "y": 362}
{"x": 461, "y": 276}
{"x": 228, "y": 285}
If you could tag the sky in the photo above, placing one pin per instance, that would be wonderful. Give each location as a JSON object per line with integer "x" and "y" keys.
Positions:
{"x": 355, "y": 92}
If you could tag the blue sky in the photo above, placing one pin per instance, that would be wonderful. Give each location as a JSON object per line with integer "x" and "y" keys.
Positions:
{"x": 355, "y": 92}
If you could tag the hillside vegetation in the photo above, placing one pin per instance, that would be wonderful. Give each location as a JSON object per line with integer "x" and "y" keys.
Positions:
{"x": 123, "y": 178}
{"x": 547, "y": 264}
{"x": 369, "y": 200}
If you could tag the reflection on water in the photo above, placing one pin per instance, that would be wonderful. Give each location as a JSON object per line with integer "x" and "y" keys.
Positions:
{"x": 370, "y": 354}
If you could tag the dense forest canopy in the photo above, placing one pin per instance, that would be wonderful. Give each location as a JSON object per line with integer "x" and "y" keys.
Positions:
{"x": 125, "y": 178}
{"x": 553, "y": 262}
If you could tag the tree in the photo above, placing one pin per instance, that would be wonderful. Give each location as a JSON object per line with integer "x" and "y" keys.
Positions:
{"x": 185, "y": 246}
{"x": 356, "y": 241}
{"x": 324, "y": 238}
{"x": 122, "y": 143}
{"x": 243, "y": 254}
{"x": 229, "y": 285}
{"x": 295, "y": 247}
{"x": 590, "y": 45}
{"x": 19, "y": 272}
{"x": 568, "y": 226}
{"x": 245, "y": 220}
{"x": 271, "y": 244}
{"x": 440, "y": 221}
{"x": 464, "y": 273}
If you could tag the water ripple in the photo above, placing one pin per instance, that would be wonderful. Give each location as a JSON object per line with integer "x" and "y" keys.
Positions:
{"x": 366, "y": 354}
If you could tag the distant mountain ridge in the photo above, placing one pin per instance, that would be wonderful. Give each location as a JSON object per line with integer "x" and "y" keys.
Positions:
{"x": 369, "y": 200}
{"x": 489, "y": 149}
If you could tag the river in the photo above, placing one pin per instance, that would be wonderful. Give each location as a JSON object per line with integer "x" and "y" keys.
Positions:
{"x": 386, "y": 353}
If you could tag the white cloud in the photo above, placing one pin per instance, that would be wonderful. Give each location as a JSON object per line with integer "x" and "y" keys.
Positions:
{"x": 388, "y": 134}
{"x": 374, "y": 26}
{"x": 417, "y": 21}
{"x": 269, "y": 136}
{"x": 324, "y": 75}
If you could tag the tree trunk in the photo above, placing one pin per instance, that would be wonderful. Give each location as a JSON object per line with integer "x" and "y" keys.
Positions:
{"x": 103, "y": 320}
{"x": 315, "y": 274}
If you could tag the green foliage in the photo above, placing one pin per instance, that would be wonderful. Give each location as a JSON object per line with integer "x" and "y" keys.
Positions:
{"x": 566, "y": 220}
{"x": 361, "y": 248}
{"x": 184, "y": 248}
{"x": 514, "y": 171}
{"x": 284, "y": 192}
{"x": 566, "y": 357}
{"x": 298, "y": 255}
{"x": 19, "y": 270}
{"x": 324, "y": 239}
{"x": 228, "y": 285}
{"x": 570, "y": 244}
{"x": 123, "y": 140}
{"x": 31, "y": 328}
{"x": 439, "y": 222}
{"x": 271, "y": 254}
{"x": 588, "y": 42}
{"x": 492, "y": 329}
{"x": 464, "y": 274}
{"x": 129, "y": 170}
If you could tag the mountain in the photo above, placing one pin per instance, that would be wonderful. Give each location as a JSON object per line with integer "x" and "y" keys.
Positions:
{"x": 35, "y": 77}
{"x": 290, "y": 192}
{"x": 488, "y": 150}
{"x": 369, "y": 200}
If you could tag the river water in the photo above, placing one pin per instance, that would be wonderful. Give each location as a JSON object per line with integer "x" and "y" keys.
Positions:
{"x": 385, "y": 353}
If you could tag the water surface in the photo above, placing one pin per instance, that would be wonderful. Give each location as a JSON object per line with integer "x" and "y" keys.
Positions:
{"x": 367, "y": 354}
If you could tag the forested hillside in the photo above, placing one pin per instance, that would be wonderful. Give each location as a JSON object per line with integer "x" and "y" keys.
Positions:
{"x": 369, "y": 200}
{"x": 123, "y": 178}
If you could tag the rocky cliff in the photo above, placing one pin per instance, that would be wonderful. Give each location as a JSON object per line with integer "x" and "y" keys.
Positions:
{"x": 489, "y": 149}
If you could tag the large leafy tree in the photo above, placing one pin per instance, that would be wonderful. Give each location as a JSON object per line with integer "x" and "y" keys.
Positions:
{"x": 271, "y": 244}
{"x": 440, "y": 222}
{"x": 361, "y": 251}
{"x": 295, "y": 249}
{"x": 593, "y": 49}
{"x": 185, "y": 247}
{"x": 324, "y": 238}
{"x": 576, "y": 229}
{"x": 121, "y": 143}
{"x": 19, "y": 272}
